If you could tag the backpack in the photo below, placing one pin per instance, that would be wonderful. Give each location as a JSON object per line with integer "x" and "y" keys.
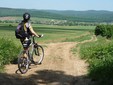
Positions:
{"x": 20, "y": 32}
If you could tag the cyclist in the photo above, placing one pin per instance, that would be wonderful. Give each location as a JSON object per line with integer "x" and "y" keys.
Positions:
{"x": 26, "y": 32}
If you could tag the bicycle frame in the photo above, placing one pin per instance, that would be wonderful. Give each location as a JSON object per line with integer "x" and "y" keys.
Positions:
{"x": 37, "y": 59}
{"x": 32, "y": 45}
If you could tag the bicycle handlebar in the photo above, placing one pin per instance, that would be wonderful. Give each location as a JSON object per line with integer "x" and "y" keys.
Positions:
{"x": 42, "y": 35}
{"x": 37, "y": 37}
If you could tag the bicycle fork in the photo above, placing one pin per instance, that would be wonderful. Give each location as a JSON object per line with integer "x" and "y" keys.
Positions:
{"x": 36, "y": 49}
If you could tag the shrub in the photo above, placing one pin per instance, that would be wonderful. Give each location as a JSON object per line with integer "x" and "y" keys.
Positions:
{"x": 100, "y": 58}
{"x": 97, "y": 30}
{"x": 8, "y": 51}
{"x": 104, "y": 31}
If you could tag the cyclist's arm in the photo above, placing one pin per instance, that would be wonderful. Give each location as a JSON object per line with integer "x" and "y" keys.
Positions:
{"x": 33, "y": 32}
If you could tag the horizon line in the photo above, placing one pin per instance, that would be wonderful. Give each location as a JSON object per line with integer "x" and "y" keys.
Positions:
{"x": 54, "y": 9}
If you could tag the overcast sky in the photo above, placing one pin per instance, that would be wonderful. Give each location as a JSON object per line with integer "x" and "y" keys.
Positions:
{"x": 79, "y": 5}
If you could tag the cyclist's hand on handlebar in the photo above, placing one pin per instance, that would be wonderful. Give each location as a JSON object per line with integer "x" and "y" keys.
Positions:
{"x": 41, "y": 35}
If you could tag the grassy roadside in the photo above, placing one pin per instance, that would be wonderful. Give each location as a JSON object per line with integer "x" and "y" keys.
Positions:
{"x": 8, "y": 52}
{"x": 99, "y": 57}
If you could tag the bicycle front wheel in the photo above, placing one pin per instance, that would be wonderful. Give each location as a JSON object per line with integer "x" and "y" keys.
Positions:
{"x": 38, "y": 54}
{"x": 23, "y": 64}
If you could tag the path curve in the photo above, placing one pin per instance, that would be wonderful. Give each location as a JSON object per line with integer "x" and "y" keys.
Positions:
{"x": 60, "y": 67}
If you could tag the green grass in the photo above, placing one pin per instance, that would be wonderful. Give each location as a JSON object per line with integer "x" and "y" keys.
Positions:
{"x": 51, "y": 33}
{"x": 78, "y": 39}
{"x": 8, "y": 52}
{"x": 99, "y": 56}
{"x": 61, "y": 33}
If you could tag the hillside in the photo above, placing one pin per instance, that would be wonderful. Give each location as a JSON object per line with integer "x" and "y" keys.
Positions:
{"x": 89, "y": 15}
{"x": 79, "y": 16}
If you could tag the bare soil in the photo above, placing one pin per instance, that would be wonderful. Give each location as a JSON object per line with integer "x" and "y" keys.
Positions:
{"x": 60, "y": 67}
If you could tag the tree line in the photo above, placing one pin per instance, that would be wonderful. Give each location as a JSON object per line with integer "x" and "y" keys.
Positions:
{"x": 75, "y": 16}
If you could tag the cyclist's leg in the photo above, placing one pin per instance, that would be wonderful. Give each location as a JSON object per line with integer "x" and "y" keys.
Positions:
{"x": 25, "y": 46}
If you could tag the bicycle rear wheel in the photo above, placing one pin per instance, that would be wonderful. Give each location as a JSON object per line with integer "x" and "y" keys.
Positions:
{"x": 38, "y": 54}
{"x": 23, "y": 64}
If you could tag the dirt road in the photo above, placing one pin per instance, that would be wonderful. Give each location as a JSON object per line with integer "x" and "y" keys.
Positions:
{"x": 60, "y": 67}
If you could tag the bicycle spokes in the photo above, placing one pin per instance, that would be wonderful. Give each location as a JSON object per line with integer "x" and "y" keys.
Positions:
{"x": 39, "y": 54}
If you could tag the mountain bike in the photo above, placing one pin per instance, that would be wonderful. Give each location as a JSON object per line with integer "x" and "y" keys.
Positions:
{"x": 34, "y": 55}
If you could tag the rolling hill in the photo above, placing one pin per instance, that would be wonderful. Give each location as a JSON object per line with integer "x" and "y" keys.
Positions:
{"x": 79, "y": 16}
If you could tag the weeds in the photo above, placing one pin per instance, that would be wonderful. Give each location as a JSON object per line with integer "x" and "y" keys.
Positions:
{"x": 99, "y": 54}
{"x": 8, "y": 51}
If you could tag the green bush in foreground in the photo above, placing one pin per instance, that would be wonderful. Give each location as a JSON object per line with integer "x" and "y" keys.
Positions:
{"x": 8, "y": 51}
{"x": 100, "y": 58}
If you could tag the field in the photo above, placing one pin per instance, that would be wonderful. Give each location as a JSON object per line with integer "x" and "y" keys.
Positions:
{"x": 51, "y": 33}
{"x": 73, "y": 55}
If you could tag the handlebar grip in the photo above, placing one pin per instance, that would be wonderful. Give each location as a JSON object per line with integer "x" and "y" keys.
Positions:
{"x": 41, "y": 35}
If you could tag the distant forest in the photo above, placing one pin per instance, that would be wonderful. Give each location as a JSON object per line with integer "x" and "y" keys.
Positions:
{"x": 76, "y": 16}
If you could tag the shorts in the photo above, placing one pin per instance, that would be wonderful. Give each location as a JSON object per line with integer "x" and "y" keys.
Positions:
{"x": 25, "y": 44}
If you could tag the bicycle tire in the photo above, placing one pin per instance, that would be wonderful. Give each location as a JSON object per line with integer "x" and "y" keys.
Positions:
{"x": 23, "y": 63}
{"x": 38, "y": 54}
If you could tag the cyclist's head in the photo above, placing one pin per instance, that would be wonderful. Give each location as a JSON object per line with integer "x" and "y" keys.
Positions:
{"x": 26, "y": 16}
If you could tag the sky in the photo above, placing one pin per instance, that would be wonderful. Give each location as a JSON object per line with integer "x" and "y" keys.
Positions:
{"x": 77, "y": 5}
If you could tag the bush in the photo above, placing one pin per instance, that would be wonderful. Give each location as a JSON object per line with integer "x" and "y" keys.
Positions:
{"x": 104, "y": 31}
{"x": 8, "y": 51}
{"x": 100, "y": 58}
{"x": 97, "y": 30}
